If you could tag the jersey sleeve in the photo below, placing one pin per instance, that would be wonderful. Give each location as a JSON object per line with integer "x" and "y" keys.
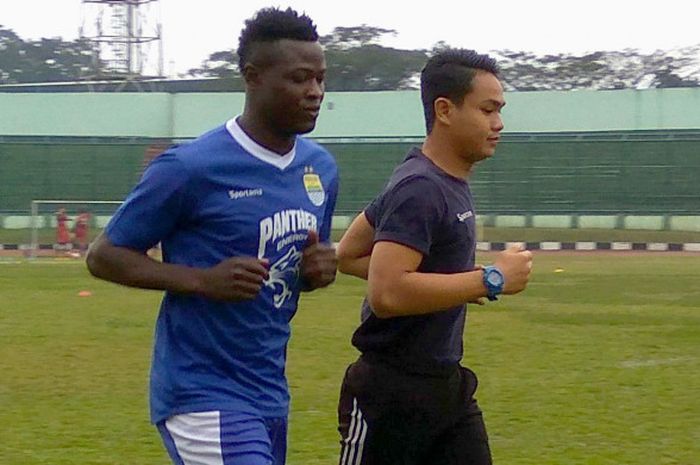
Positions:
{"x": 153, "y": 208}
{"x": 370, "y": 211}
{"x": 408, "y": 213}
{"x": 325, "y": 229}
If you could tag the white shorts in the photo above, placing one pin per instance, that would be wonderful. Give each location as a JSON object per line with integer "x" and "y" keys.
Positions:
{"x": 224, "y": 438}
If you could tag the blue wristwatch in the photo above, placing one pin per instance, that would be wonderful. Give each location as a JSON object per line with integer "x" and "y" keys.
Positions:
{"x": 494, "y": 281}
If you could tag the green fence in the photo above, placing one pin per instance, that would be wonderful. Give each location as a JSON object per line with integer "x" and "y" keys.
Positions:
{"x": 642, "y": 173}
{"x": 67, "y": 169}
{"x": 653, "y": 173}
{"x": 576, "y": 173}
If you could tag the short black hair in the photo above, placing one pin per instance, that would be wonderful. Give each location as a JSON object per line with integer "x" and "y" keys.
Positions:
{"x": 273, "y": 24}
{"x": 449, "y": 74}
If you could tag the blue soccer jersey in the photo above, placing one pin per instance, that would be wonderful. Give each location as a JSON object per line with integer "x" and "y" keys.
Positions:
{"x": 220, "y": 196}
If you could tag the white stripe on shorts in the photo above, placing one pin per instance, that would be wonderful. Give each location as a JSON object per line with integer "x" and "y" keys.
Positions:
{"x": 197, "y": 437}
{"x": 354, "y": 443}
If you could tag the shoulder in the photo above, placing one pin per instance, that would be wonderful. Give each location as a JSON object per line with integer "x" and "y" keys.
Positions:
{"x": 417, "y": 192}
{"x": 414, "y": 184}
{"x": 313, "y": 151}
{"x": 205, "y": 153}
{"x": 312, "y": 146}
{"x": 414, "y": 195}
{"x": 203, "y": 146}
{"x": 172, "y": 169}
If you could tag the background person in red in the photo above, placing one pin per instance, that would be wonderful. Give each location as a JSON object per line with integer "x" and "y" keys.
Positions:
{"x": 63, "y": 242}
{"x": 81, "y": 230}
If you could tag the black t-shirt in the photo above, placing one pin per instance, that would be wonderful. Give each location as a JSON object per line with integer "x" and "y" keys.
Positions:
{"x": 424, "y": 208}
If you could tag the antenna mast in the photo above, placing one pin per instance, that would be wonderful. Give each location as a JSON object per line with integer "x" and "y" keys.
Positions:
{"x": 126, "y": 36}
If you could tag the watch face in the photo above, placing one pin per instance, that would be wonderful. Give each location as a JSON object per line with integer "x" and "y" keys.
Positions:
{"x": 494, "y": 279}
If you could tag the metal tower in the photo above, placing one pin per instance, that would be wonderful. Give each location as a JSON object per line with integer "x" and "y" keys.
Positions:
{"x": 126, "y": 36}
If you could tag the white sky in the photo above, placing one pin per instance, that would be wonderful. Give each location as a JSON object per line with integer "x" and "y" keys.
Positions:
{"x": 194, "y": 29}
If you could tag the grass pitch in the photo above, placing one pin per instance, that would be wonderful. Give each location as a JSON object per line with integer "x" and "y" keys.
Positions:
{"x": 595, "y": 364}
{"x": 48, "y": 235}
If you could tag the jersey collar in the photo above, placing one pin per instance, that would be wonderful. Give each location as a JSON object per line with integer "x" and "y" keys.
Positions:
{"x": 257, "y": 150}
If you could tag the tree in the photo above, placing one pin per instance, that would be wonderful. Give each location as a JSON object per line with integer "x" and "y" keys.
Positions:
{"x": 357, "y": 61}
{"x": 223, "y": 66}
{"x": 354, "y": 59}
{"x": 372, "y": 67}
{"x": 600, "y": 70}
{"x": 354, "y": 37}
{"x": 11, "y": 54}
{"x": 43, "y": 60}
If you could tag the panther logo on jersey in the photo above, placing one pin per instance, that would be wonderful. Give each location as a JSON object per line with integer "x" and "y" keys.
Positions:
{"x": 284, "y": 273}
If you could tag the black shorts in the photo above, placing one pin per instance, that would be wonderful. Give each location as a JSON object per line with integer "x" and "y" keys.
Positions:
{"x": 387, "y": 416}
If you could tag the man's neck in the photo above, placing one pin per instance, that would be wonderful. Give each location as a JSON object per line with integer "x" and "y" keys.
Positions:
{"x": 445, "y": 157}
{"x": 263, "y": 135}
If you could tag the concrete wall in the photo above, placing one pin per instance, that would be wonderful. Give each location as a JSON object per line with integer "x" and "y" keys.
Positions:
{"x": 344, "y": 114}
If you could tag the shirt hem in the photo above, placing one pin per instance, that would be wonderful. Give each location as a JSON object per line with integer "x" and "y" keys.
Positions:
{"x": 226, "y": 407}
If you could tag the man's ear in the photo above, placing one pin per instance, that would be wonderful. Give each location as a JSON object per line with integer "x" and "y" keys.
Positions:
{"x": 443, "y": 108}
{"x": 251, "y": 75}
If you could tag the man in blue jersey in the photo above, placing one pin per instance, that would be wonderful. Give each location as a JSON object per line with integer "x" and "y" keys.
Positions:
{"x": 407, "y": 400}
{"x": 243, "y": 214}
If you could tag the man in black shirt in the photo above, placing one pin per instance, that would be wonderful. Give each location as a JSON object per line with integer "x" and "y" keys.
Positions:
{"x": 407, "y": 400}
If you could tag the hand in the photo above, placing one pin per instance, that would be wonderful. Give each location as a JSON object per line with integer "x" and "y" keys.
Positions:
{"x": 318, "y": 263}
{"x": 515, "y": 263}
{"x": 234, "y": 279}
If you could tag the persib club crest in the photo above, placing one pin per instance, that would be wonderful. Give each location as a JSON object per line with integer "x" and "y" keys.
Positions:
{"x": 314, "y": 187}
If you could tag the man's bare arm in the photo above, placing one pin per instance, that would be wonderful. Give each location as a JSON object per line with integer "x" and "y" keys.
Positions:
{"x": 234, "y": 279}
{"x": 397, "y": 289}
{"x": 355, "y": 247}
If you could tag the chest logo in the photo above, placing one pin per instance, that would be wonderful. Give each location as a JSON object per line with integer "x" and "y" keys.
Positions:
{"x": 314, "y": 187}
{"x": 234, "y": 194}
{"x": 462, "y": 217}
{"x": 284, "y": 274}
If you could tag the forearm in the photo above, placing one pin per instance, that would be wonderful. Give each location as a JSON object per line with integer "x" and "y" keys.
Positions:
{"x": 355, "y": 248}
{"x": 414, "y": 293}
{"x": 355, "y": 266}
{"x": 135, "y": 269}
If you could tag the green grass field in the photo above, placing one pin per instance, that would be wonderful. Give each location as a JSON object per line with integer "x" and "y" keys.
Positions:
{"x": 48, "y": 235}
{"x": 595, "y": 365}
